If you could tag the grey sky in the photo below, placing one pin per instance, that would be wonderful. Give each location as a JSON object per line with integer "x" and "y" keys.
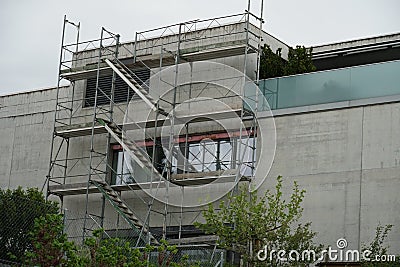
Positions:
{"x": 30, "y": 31}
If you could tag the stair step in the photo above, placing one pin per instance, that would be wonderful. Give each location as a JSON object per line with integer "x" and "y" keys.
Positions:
{"x": 112, "y": 125}
{"x": 147, "y": 162}
{"x": 130, "y": 216}
{"x": 140, "y": 88}
{"x": 116, "y": 130}
{"x": 148, "y": 166}
{"x": 142, "y": 160}
{"x": 133, "y": 218}
{"x": 108, "y": 188}
{"x": 125, "y": 209}
{"x": 140, "y": 228}
{"x": 113, "y": 194}
{"x": 122, "y": 206}
{"x": 128, "y": 213}
{"x": 127, "y": 142}
{"x": 116, "y": 199}
{"x": 145, "y": 93}
{"x": 140, "y": 156}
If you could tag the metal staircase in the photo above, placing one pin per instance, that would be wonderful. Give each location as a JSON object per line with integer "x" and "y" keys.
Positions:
{"x": 122, "y": 208}
{"x": 131, "y": 148}
{"x": 133, "y": 151}
{"x": 123, "y": 72}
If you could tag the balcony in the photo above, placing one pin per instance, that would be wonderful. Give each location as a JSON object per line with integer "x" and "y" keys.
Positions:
{"x": 347, "y": 84}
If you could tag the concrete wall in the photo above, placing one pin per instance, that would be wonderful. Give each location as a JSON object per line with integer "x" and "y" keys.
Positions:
{"x": 348, "y": 161}
{"x": 26, "y": 126}
{"x": 192, "y": 40}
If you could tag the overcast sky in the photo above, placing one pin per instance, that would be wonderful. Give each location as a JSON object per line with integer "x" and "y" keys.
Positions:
{"x": 30, "y": 30}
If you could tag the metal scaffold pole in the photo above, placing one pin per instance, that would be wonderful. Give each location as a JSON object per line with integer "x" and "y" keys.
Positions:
{"x": 99, "y": 111}
{"x": 59, "y": 145}
{"x": 92, "y": 139}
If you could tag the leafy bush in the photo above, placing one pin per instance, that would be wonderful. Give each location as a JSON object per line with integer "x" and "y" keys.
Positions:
{"x": 273, "y": 65}
{"x": 246, "y": 223}
{"x": 19, "y": 208}
{"x": 52, "y": 248}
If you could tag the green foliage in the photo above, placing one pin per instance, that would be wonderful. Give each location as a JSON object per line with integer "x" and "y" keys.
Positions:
{"x": 273, "y": 65}
{"x": 108, "y": 252}
{"x": 50, "y": 245}
{"x": 250, "y": 221}
{"x": 378, "y": 249}
{"x": 166, "y": 253}
{"x": 52, "y": 248}
{"x": 19, "y": 208}
{"x": 299, "y": 61}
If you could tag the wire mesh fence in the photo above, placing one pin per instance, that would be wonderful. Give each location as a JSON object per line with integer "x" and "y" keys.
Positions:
{"x": 187, "y": 255}
{"x": 17, "y": 216}
{"x": 77, "y": 227}
{"x": 190, "y": 256}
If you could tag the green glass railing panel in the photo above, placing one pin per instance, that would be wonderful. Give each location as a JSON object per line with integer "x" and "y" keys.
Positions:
{"x": 375, "y": 80}
{"x": 331, "y": 86}
{"x": 322, "y": 87}
{"x": 254, "y": 99}
{"x": 269, "y": 89}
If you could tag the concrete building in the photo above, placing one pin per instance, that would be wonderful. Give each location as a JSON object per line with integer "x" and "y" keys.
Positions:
{"x": 190, "y": 92}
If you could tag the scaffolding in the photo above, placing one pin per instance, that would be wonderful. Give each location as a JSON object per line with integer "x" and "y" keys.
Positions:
{"x": 87, "y": 120}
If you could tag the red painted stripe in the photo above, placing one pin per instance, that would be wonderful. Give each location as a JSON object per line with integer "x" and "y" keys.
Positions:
{"x": 193, "y": 138}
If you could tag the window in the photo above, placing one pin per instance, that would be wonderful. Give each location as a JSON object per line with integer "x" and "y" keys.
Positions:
{"x": 211, "y": 155}
{"x": 220, "y": 153}
{"x": 121, "y": 174}
{"x": 122, "y": 92}
{"x": 248, "y": 152}
{"x": 204, "y": 153}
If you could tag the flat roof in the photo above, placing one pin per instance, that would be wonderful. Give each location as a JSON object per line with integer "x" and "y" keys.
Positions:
{"x": 388, "y": 40}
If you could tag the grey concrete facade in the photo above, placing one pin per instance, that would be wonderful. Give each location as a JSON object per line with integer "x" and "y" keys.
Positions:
{"x": 347, "y": 160}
